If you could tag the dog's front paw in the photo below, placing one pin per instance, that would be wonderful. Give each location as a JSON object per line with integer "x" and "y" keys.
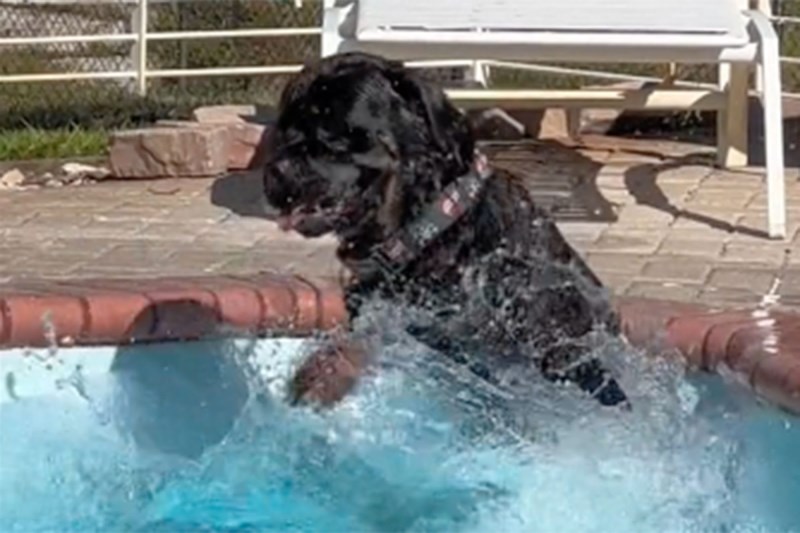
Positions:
{"x": 610, "y": 394}
{"x": 328, "y": 375}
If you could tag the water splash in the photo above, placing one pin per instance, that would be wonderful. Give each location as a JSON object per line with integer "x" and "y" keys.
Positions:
{"x": 422, "y": 446}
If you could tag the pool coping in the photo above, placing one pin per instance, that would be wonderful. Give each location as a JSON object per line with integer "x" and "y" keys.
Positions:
{"x": 760, "y": 347}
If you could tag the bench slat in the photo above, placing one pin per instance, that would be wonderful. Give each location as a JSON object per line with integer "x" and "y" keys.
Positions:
{"x": 616, "y": 16}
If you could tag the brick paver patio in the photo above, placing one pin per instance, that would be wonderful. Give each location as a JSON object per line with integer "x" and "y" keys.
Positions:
{"x": 653, "y": 218}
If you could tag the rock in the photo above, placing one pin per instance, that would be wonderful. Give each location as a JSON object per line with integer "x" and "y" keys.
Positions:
{"x": 224, "y": 113}
{"x": 248, "y": 128}
{"x": 624, "y": 122}
{"x": 600, "y": 121}
{"x": 79, "y": 171}
{"x": 169, "y": 152}
{"x": 13, "y": 179}
{"x": 496, "y": 124}
{"x": 247, "y": 140}
{"x": 248, "y": 145}
{"x": 173, "y": 123}
{"x": 543, "y": 123}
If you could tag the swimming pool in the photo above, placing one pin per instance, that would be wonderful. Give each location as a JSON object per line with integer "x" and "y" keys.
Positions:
{"x": 179, "y": 437}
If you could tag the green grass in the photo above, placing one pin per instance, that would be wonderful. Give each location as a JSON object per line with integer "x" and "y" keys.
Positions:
{"x": 34, "y": 143}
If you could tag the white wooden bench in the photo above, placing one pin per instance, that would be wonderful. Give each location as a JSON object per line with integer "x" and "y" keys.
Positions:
{"x": 723, "y": 32}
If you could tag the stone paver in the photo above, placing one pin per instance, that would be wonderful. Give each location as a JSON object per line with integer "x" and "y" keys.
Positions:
{"x": 756, "y": 279}
{"x": 707, "y": 219}
{"x": 630, "y": 239}
{"x": 648, "y": 224}
{"x": 728, "y": 297}
{"x": 617, "y": 263}
{"x": 691, "y": 245}
{"x": 790, "y": 281}
{"x": 748, "y": 252}
{"x": 644, "y": 217}
{"x": 664, "y": 290}
{"x": 677, "y": 268}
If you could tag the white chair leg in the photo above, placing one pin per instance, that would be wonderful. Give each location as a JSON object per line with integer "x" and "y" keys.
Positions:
{"x": 773, "y": 124}
{"x": 732, "y": 121}
{"x": 723, "y": 80}
{"x": 765, "y": 7}
{"x": 331, "y": 37}
{"x": 486, "y": 70}
{"x": 477, "y": 73}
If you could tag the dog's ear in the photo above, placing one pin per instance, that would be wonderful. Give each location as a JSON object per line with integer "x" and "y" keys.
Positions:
{"x": 449, "y": 128}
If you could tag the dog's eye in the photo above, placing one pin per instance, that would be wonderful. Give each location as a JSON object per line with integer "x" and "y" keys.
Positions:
{"x": 359, "y": 140}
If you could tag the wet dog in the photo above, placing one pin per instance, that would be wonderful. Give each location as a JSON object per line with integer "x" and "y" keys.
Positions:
{"x": 365, "y": 149}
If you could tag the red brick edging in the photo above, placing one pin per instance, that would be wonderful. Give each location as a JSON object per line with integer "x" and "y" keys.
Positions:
{"x": 92, "y": 312}
{"x": 761, "y": 348}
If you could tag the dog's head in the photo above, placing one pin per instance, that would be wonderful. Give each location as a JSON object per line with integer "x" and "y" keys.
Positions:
{"x": 361, "y": 144}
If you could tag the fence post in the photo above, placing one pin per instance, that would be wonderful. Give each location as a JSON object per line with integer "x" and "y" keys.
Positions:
{"x": 139, "y": 54}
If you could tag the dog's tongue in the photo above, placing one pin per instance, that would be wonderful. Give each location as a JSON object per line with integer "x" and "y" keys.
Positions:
{"x": 286, "y": 223}
{"x": 307, "y": 225}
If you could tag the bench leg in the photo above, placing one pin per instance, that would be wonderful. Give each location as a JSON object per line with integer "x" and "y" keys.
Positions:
{"x": 769, "y": 59}
{"x": 773, "y": 137}
{"x": 477, "y": 72}
{"x": 573, "y": 122}
{"x": 331, "y": 39}
{"x": 732, "y": 121}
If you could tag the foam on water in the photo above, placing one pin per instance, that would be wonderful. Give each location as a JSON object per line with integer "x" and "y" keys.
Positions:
{"x": 422, "y": 446}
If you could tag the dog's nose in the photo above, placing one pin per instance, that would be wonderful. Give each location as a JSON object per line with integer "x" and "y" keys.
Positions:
{"x": 280, "y": 166}
{"x": 278, "y": 170}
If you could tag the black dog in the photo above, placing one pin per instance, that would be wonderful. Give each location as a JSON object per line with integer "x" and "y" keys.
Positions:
{"x": 365, "y": 149}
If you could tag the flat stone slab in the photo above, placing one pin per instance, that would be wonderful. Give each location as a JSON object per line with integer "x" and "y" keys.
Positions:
{"x": 225, "y": 113}
{"x": 169, "y": 152}
{"x": 247, "y": 141}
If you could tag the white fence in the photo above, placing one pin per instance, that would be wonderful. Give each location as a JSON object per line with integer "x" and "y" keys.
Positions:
{"x": 136, "y": 33}
{"x": 140, "y": 37}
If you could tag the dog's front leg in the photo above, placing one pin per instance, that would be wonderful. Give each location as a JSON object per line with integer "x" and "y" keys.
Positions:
{"x": 329, "y": 374}
{"x": 445, "y": 343}
{"x": 553, "y": 325}
{"x": 574, "y": 363}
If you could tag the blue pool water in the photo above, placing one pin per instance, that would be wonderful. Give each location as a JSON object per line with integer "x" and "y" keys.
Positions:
{"x": 196, "y": 437}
